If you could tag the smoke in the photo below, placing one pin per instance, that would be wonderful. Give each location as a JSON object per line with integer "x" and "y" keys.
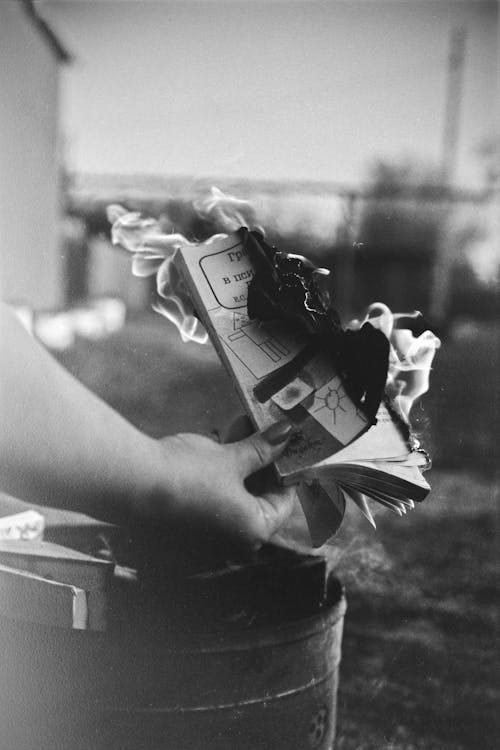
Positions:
{"x": 227, "y": 212}
{"x": 361, "y": 564}
{"x": 355, "y": 554}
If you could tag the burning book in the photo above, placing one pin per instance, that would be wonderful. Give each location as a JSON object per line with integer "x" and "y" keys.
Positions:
{"x": 289, "y": 357}
{"x": 278, "y": 372}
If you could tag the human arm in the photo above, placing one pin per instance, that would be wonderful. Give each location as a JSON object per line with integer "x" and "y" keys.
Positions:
{"x": 61, "y": 445}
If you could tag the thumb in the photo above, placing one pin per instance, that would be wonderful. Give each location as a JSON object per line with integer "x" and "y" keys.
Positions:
{"x": 262, "y": 448}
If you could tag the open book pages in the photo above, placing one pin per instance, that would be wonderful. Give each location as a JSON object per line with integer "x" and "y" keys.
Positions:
{"x": 381, "y": 465}
{"x": 332, "y": 447}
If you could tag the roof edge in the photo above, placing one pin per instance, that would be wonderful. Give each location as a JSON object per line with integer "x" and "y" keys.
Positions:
{"x": 46, "y": 31}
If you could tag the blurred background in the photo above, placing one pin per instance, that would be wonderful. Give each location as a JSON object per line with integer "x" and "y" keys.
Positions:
{"x": 367, "y": 136}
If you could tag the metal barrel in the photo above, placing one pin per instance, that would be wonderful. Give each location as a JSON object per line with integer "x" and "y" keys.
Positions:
{"x": 247, "y": 659}
{"x": 259, "y": 669}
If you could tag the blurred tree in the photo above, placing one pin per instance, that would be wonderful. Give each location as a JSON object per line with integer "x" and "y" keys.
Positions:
{"x": 400, "y": 225}
{"x": 402, "y": 209}
{"x": 416, "y": 239}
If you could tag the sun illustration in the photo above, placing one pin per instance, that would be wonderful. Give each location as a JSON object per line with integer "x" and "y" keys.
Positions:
{"x": 332, "y": 400}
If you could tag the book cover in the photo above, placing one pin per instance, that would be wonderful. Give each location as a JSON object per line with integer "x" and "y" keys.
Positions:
{"x": 325, "y": 418}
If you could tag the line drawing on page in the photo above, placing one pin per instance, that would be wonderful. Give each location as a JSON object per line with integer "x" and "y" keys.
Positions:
{"x": 332, "y": 400}
{"x": 261, "y": 347}
{"x": 257, "y": 347}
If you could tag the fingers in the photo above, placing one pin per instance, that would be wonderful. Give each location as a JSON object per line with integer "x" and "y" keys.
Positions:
{"x": 274, "y": 509}
{"x": 262, "y": 448}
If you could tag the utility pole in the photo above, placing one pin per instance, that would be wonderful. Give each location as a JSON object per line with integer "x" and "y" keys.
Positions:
{"x": 454, "y": 91}
{"x": 441, "y": 278}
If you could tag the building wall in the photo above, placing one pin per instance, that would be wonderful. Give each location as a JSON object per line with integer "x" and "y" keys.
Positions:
{"x": 31, "y": 264}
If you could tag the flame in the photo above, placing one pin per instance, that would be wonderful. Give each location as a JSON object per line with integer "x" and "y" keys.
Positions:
{"x": 152, "y": 253}
{"x": 410, "y": 356}
{"x": 227, "y": 212}
{"x": 153, "y": 249}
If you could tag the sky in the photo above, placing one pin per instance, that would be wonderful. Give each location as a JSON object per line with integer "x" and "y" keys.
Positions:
{"x": 275, "y": 90}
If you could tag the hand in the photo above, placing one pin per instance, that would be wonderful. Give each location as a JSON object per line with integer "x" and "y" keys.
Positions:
{"x": 202, "y": 507}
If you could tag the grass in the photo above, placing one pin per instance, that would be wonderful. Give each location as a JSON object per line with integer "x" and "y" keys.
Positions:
{"x": 418, "y": 669}
{"x": 421, "y": 633}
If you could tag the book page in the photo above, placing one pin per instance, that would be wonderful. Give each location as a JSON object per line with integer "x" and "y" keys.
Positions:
{"x": 384, "y": 440}
{"x": 409, "y": 481}
{"x": 410, "y": 474}
{"x": 312, "y": 395}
